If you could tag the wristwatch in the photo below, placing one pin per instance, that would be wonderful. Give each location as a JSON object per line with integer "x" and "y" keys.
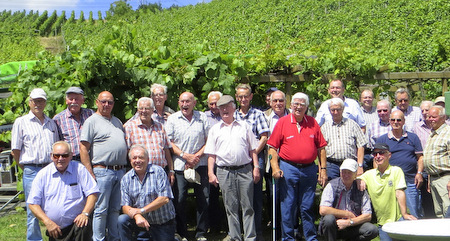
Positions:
{"x": 142, "y": 210}
{"x": 85, "y": 213}
{"x": 360, "y": 164}
{"x": 351, "y": 222}
{"x": 182, "y": 154}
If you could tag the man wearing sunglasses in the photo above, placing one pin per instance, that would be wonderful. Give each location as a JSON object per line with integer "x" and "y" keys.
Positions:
{"x": 412, "y": 113}
{"x": 386, "y": 185}
{"x": 63, "y": 196}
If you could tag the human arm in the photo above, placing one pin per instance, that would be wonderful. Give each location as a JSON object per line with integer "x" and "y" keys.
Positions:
{"x": 211, "y": 176}
{"x": 277, "y": 173}
{"x": 344, "y": 223}
{"x": 418, "y": 179}
{"x": 54, "y": 230}
{"x": 401, "y": 199}
{"x": 360, "y": 159}
{"x": 16, "y": 155}
{"x": 338, "y": 213}
{"x": 82, "y": 219}
{"x": 169, "y": 160}
{"x": 137, "y": 214}
{"x": 323, "y": 177}
{"x": 256, "y": 174}
{"x": 448, "y": 189}
{"x": 191, "y": 159}
{"x": 262, "y": 142}
{"x": 84, "y": 156}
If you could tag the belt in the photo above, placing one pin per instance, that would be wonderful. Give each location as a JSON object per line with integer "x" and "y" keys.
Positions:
{"x": 115, "y": 167}
{"x": 440, "y": 174}
{"x": 299, "y": 165}
{"x": 234, "y": 168}
{"x": 335, "y": 161}
{"x": 76, "y": 157}
{"x": 37, "y": 165}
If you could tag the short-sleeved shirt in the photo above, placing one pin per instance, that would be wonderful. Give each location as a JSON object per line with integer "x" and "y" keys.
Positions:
{"x": 352, "y": 111}
{"x": 327, "y": 200}
{"x": 297, "y": 144}
{"x": 107, "y": 139}
{"x": 370, "y": 116}
{"x": 153, "y": 137}
{"x": 273, "y": 118}
{"x": 343, "y": 139}
{"x": 375, "y": 130}
{"x": 412, "y": 115}
{"x": 422, "y": 131}
{"x": 189, "y": 136}
{"x": 70, "y": 127}
{"x": 404, "y": 152}
{"x": 33, "y": 139}
{"x": 138, "y": 194}
{"x": 436, "y": 157}
{"x": 382, "y": 189}
{"x": 231, "y": 144}
{"x": 212, "y": 119}
{"x": 62, "y": 197}
{"x": 255, "y": 118}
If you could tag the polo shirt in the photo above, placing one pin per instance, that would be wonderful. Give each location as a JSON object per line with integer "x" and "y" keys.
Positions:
{"x": 382, "y": 189}
{"x": 294, "y": 145}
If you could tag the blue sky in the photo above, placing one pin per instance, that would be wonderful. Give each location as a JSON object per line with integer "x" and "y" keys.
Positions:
{"x": 84, "y": 5}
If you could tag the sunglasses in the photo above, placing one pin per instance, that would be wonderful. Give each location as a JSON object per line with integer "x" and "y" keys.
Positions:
{"x": 110, "y": 102}
{"x": 383, "y": 110}
{"x": 396, "y": 120}
{"x": 376, "y": 153}
{"x": 57, "y": 156}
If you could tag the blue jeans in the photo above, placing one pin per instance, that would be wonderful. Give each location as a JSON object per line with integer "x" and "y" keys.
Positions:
{"x": 297, "y": 191}
{"x": 414, "y": 200}
{"x": 202, "y": 202}
{"x": 33, "y": 229}
{"x": 128, "y": 230}
{"x": 333, "y": 170}
{"x": 258, "y": 196}
{"x": 107, "y": 208}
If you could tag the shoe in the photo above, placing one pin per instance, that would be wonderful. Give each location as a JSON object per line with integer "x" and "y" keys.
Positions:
{"x": 202, "y": 238}
{"x": 227, "y": 238}
{"x": 179, "y": 238}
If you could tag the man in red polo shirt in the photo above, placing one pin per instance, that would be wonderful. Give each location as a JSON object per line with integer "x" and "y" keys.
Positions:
{"x": 297, "y": 140}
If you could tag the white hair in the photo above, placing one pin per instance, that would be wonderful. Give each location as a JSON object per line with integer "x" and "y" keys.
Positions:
{"x": 215, "y": 93}
{"x": 302, "y": 96}
{"x": 155, "y": 86}
{"x": 146, "y": 99}
{"x": 336, "y": 101}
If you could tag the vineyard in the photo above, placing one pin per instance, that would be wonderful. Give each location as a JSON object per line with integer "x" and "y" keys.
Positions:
{"x": 212, "y": 46}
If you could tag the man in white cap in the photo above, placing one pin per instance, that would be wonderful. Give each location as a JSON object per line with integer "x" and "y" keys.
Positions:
{"x": 70, "y": 120}
{"x": 346, "y": 211}
{"x": 32, "y": 138}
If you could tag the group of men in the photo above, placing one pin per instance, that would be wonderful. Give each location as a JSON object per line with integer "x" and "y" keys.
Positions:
{"x": 232, "y": 148}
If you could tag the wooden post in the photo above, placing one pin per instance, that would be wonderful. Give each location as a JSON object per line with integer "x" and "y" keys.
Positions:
{"x": 288, "y": 93}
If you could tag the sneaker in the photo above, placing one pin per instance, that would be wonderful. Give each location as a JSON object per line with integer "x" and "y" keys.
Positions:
{"x": 179, "y": 238}
{"x": 202, "y": 238}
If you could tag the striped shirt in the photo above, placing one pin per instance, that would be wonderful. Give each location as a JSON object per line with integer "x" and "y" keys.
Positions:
{"x": 375, "y": 130}
{"x": 154, "y": 138}
{"x": 370, "y": 116}
{"x": 138, "y": 194}
{"x": 70, "y": 128}
{"x": 33, "y": 139}
{"x": 255, "y": 118}
{"x": 422, "y": 131}
{"x": 412, "y": 115}
{"x": 343, "y": 139}
{"x": 436, "y": 154}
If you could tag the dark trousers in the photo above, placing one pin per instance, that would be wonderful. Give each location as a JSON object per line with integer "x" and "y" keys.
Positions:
{"x": 74, "y": 233}
{"x": 329, "y": 229}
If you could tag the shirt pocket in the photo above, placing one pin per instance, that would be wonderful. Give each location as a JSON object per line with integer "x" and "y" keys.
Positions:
{"x": 74, "y": 192}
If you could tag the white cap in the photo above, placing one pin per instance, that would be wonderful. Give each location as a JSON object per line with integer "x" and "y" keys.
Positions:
{"x": 349, "y": 164}
{"x": 38, "y": 93}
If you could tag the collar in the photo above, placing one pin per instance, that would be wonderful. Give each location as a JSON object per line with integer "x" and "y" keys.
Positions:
{"x": 383, "y": 123}
{"x": 70, "y": 168}
{"x": 235, "y": 122}
{"x": 294, "y": 121}
{"x": 31, "y": 116}
{"x": 340, "y": 123}
{"x": 149, "y": 170}
{"x": 272, "y": 114}
{"x": 386, "y": 172}
{"x": 391, "y": 134}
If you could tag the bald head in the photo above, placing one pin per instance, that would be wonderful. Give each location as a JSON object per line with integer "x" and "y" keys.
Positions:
{"x": 187, "y": 102}
{"x": 105, "y": 104}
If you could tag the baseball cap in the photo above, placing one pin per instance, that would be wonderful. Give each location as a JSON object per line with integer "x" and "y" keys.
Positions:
{"x": 271, "y": 89}
{"x": 439, "y": 99}
{"x": 38, "y": 93}
{"x": 225, "y": 99}
{"x": 349, "y": 164}
{"x": 381, "y": 146}
{"x": 76, "y": 90}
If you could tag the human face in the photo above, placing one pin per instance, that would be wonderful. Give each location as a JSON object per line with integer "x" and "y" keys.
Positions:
{"x": 348, "y": 177}
{"x": 145, "y": 111}
{"x": 425, "y": 108}
{"x": 383, "y": 111}
{"x": 212, "y": 104}
{"x": 138, "y": 160}
{"x": 244, "y": 97}
{"x": 61, "y": 157}
{"x": 397, "y": 120}
{"x": 299, "y": 107}
{"x": 336, "y": 89}
{"x": 159, "y": 97}
{"x": 187, "y": 103}
{"x": 74, "y": 102}
{"x": 105, "y": 103}
{"x": 278, "y": 103}
{"x": 435, "y": 119}
{"x": 336, "y": 112}
{"x": 367, "y": 99}
{"x": 381, "y": 158}
{"x": 37, "y": 106}
{"x": 402, "y": 101}
{"x": 226, "y": 112}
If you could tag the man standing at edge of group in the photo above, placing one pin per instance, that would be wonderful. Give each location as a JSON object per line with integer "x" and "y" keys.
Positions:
{"x": 386, "y": 185}
{"x": 255, "y": 118}
{"x": 231, "y": 146}
{"x": 352, "y": 110}
{"x": 32, "y": 137}
{"x": 187, "y": 130}
{"x": 72, "y": 119}
{"x": 412, "y": 113}
{"x": 63, "y": 196}
{"x": 103, "y": 152}
{"x": 295, "y": 170}
{"x": 436, "y": 157}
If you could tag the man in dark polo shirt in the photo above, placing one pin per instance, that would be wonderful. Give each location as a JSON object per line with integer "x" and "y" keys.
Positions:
{"x": 297, "y": 140}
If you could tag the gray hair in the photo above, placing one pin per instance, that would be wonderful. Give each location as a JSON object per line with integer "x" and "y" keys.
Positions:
{"x": 146, "y": 99}
{"x": 426, "y": 102}
{"x": 301, "y": 96}
{"x": 385, "y": 102}
{"x": 336, "y": 101}
{"x": 368, "y": 91}
{"x": 215, "y": 93}
{"x": 402, "y": 91}
{"x": 441, "y": 110}
{"x": 244, "y": 86}
{"x": 155, "y": 86}
{"x": 138, "y": 146}
{"x": 62, "y": 143}
{"x": 277, "y": 91}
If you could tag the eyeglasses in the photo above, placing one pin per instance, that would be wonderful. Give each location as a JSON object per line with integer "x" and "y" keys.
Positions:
{"x": 396, "y": 120}
{"x": 159, "y": 94}
{"x": 145, "y": 109}
{"x": 376, "y": 153}
{"x": 382, "y": 110}
{"x": 57, "y": 156}
{"x": 278, "y": 101}
{"x": 333, "y": 110}
{"x": 296, "y": 104}
{"x": 403, "y": 100}
{"x": 243, "y": 96}
{"x": 110, "y": 102}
